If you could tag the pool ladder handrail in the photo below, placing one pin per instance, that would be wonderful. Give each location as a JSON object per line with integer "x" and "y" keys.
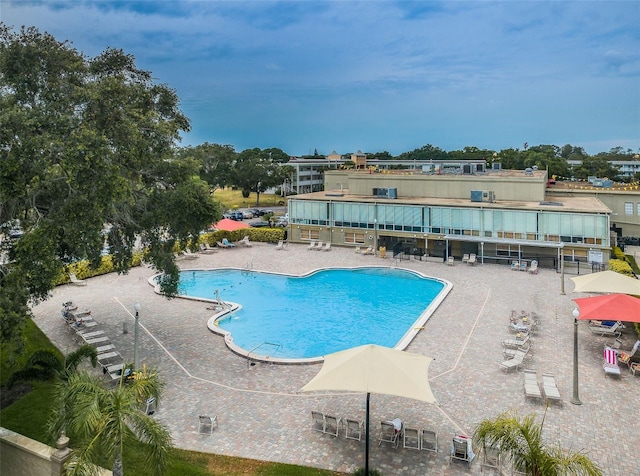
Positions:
{"x": 251, "y": 362}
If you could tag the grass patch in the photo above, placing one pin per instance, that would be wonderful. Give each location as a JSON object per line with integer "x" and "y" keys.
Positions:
{"x": 231, "y": 199}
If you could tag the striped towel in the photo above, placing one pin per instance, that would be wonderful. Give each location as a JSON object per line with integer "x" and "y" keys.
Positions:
{"x": 610, "y": 356}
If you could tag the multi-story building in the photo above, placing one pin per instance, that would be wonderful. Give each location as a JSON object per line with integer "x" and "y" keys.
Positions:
{"x": 499, "y": 215}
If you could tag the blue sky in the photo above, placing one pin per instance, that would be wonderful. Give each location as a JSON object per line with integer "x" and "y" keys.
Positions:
{"x": 376, "y": 75}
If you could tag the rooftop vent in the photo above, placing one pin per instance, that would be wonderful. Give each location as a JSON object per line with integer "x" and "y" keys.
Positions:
{"x": 528, "y": 171}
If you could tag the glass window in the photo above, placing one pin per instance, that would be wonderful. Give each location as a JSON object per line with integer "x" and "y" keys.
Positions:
{"x": 628, "y": 208}
{"x": 638, "y": 209}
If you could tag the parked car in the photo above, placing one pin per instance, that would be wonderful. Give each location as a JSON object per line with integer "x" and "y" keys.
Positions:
{"x": 259, "y": 224}
{"x": 247, "y": 214}
{"x": 237, "y": 216}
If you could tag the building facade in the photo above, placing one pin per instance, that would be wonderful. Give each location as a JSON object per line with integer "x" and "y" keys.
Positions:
{"x": 498, "y": 215}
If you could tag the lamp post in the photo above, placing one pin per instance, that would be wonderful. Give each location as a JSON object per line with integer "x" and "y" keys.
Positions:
{"x": 136, "y": 306}
{"x": 375, "y": 236}
{"x": 576, "y": 398}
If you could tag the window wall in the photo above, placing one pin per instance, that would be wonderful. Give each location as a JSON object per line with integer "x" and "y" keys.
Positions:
{"x": 487, "y": 222}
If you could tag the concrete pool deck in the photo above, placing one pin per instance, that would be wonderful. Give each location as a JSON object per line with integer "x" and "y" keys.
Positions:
{"x": 261, "y": 415}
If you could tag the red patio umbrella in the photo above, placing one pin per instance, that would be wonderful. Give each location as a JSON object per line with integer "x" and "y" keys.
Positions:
{"x": 610, "y": 307}
{"x": 229, "y": 225}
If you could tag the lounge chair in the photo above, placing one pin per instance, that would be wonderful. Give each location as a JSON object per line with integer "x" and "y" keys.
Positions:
{"x": 317, "y": 421}
{"x": 510, "y": 353}
{"x": 610, "y": 365}
{"x": 523, "y": 266}
{"x": 531, "y": 387}
{"x": 389, "y": 433}
{"x": 491, "y": 458}
{"x": 614, "y": 330}
{"x": 451, "y": 261}
{"x": 472, "y": 259}
{"x": 227, "y": 243}
{"x": 515, "y": 362}
{"x": 206, "y": 249}
{"x": 326, "y": 247}
{"x": 369, "y": 251}
{"x": 311, "y": 246}
{"x": 206, "y": 424}
{"x": 222, "y": 245}
{"x": 188, "y": 254}
{"x": 76, "y": 281}
{"x": 353, "y": 429}
{"x": 411, "y": 438}
{"x": 533, "y": 269}
{"x": 515, "y": 343}
{"x": 461, "y": 449}
{"x": 318, "y": 246}
{"x": 429, "y": 440}
{"x": 331, "y": 425}
{"x": 550, "y": 388}
{"x": 280, "y": 245}
{"x": 465, "y": 258}
{"x": 519, "y": 328}
{"x": 515, "y": 265}
{"x": 626, "y": 357}
{"x": 245, "y": 241}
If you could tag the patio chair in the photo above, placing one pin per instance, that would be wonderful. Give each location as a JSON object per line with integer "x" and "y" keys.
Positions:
{"x": 205, "y": 249}
{"x": 514, "y": 363}
{"x": 523, "y": 266}
{"x": 533, "y": 269}
{"x": 610, "y": 365}
{"x": 280, "y": 245}
{"x": 626, "y": 357}
{"x": 331, "y": 425}
{"x": 245, "y": 241}
{"x": 311, "y": 246}
{"x": 76, "y": 281}
{"x": 465, "y": 258}
{"x": 429, "y": 440}
{"x": 461, "y": 449}
{"x": 491, "y": 458}
{"x": 369, "y": 251}
{"x": 550, "y": 388}
{"x": 531, "y": 387}
{"x": 317, "y": 421}
{"x": 353, "y": 429}
{"x": 515, "y": 265}
{"x": 326, "y": 247}
{"x": 222, "y": 245}
{"x": 206, "y": 424}
{"x": 451, "y": 261}
{"x": 227, "y": 243}
{"x": 389, "y": 433}
{"x": 472, "y": 259}
{"x": 411, "y": 438}
{"x": 509, "y": 353}
{"x": 188, "y": 254}
{"x": 318, "y": 246}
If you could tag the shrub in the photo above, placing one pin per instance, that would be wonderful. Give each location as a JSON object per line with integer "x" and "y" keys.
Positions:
{"x": 620, "y": 266}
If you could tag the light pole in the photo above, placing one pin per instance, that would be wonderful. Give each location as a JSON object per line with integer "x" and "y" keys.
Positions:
{"x": 576, "y": 398}
{"x": 136, "y": 306}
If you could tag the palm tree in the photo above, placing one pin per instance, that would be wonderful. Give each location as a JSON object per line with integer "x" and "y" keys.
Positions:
{"x": 101, "y": 421}
{"x": 521, "y": 441}
{"x": 46, "y": 365}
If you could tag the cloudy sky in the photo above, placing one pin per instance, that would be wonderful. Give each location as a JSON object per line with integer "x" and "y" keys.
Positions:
{"x": 376, "y": 75}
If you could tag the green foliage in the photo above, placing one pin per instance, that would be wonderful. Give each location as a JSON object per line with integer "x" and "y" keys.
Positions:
{"x": 618, "y": 253}
{"x": 620, "y": 266}
{"x": 372, "y": 472}
{"x": 264, "y": 235}
{"x": 520, "y": 439}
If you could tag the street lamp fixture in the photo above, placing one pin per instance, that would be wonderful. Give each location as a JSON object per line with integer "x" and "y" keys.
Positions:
{"x": 576, "y": 397}
{"x": 136, "y": 306}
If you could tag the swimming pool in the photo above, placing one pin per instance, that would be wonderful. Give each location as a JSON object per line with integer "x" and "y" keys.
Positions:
{"x": 307, "y": 317}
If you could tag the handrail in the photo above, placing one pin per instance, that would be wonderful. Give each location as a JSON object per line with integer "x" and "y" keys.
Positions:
{"x": 250, "y": 363}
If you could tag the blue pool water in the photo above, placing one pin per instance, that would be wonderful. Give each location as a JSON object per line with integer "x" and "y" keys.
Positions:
{"x": 314, "y": 315}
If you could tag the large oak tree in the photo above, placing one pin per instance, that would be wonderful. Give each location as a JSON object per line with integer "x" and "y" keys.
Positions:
{"x": 87, "y": 151}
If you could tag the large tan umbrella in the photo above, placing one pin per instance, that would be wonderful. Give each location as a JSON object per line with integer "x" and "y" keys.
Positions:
{"x": 606, "y": 282}
{"x": 373, "y": 368}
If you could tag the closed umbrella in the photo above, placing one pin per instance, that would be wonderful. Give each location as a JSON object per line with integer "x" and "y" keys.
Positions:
{"x": 606, "y": 282}
{"x": 374, "y": 369}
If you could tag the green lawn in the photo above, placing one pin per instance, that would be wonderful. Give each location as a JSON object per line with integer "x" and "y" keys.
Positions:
{"x": 28, "y": 415}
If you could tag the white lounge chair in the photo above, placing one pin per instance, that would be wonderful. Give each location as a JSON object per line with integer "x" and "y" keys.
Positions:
{"x": 461, "y": 449}
{"x": 331, "y": 425}
{"x": 533, "y": 269}
{"x": 516, "y": 343}
{"x": 411, "y": 438}
{"x": 312, "y": 245}
{"x": 318, "y": 246}
{"x": 550, "y": 388}
{"x": 465, "y": 258}
{"x": 429, "y": 440}
{"x": 531, "y": 387}
{"x": 317, "y": 421}
{"x": 369, "y": 251}
{"x": 326, "y": 247}
{"x": 188, "y": 254}
{"x": 245, "y": 241}
{"x": 472, "y": 259}
{"x": 206, "y": 249}
{"x": 515, "y": 265}
{"x": 614, "y": 330}
{"x": 76, "y": 281}
{"x": 280, "y": 245}
{"x": 515, "y": 362}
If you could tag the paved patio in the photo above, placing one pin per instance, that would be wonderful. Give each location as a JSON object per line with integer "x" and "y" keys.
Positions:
{"x": 261, "y": 414}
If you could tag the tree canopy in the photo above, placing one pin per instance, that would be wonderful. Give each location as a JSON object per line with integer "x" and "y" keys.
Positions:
{"x": 87, "y": 151}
